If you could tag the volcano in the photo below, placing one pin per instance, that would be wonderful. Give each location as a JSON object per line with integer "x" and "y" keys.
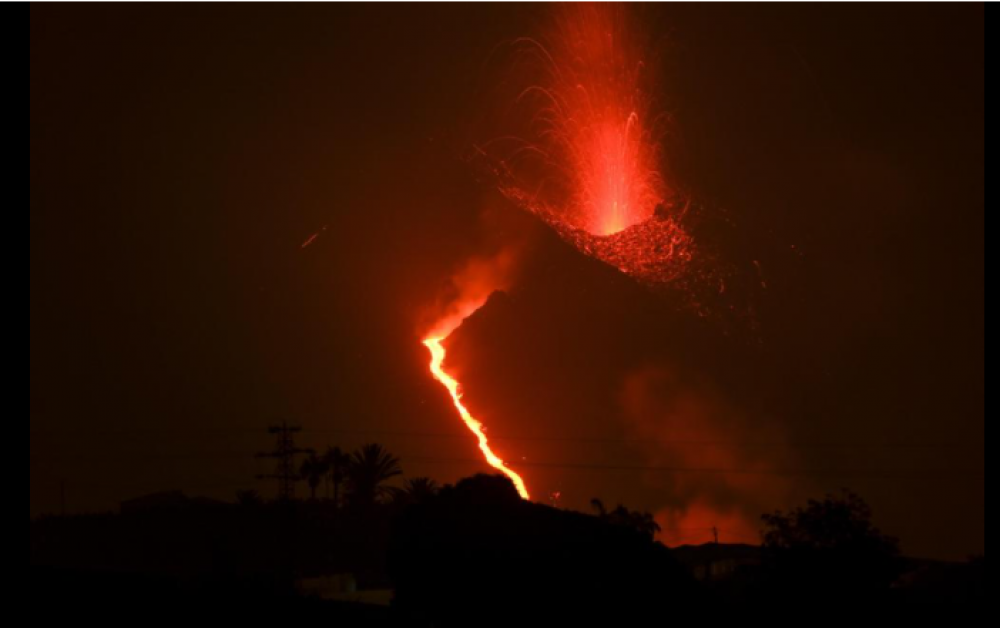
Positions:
{"x": 546, "y": 365}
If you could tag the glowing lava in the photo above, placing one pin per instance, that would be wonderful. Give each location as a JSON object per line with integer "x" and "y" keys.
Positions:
{"x": 597, "y": 120}
{"x": 455, "y": 389}
{"x": 585, "y": 151}
{"x": 591, "y": 155}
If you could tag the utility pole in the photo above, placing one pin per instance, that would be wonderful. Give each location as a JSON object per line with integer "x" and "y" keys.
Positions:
{"x": 284, "y": 454}
{"x": 715, "y": 533}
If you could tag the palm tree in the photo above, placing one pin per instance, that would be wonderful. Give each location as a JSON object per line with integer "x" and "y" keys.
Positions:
{"x": 337, "y": 464}
{"x": 370, "y": 467}
{"x": 314, "y": 469}
{"x": 419, "y": 490}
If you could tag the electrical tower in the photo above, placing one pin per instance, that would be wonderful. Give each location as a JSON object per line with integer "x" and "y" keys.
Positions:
{"x": 284, "y": 453}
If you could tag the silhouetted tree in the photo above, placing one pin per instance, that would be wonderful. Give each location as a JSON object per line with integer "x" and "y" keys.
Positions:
{"x": 369, "y": 469}
{"x": 830, "y": 548}
{"x": 419, "y": 490}
{"x": 314, "y": 469}
{"x": 337, "y": 463}
{"x": 478, "y": 553}
{"x": 483, "y": 489}
{"x": 642, "y": 522}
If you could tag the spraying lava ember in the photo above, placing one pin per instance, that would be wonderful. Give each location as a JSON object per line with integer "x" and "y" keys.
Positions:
{"x": 590, "y": 161}
{"x": 436, "y": 347}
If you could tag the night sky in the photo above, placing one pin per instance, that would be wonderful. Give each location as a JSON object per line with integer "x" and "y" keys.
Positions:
{"x": 181, "y": 155}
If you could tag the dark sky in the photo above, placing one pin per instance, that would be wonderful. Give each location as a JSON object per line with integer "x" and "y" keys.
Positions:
{"x": 180, "y": 156}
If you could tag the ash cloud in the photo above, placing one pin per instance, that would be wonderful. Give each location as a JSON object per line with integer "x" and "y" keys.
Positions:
{"x": 722, "y": 462}
{"x": 495, "y": 266}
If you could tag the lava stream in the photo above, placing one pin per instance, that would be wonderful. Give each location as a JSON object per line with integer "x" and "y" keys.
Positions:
{"x": 454, "y": 388}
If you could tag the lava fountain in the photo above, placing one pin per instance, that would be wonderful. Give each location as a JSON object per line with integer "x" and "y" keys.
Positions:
{"x": 591, "y": 153}
{"x": 595, "y": 119}
{"x": 586, "y": 154}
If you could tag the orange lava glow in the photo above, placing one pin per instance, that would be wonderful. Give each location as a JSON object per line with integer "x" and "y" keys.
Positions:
{"x": 583, "y": 147}
{"x": 594, "y": 130}
{"x": 437, "y": 350}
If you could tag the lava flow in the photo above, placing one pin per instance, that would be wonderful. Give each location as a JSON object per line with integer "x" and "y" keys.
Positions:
{"x": 437, "y": 350}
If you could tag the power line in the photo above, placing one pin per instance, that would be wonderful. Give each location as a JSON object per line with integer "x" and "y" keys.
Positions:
{"x": 560, "y": 439}
{"x": 665, "y": 441}
{"x": 840, "y": 473}
{"x": 287, "y": 471}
